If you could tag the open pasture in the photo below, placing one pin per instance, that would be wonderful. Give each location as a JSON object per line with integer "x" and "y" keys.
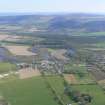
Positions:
{"x": 31, "y": 91}
{"x": 76, "y": 79}
{"x": 57, "y": 83}
{"x": 6, "y": 67}
{"x": 98, "y": 96}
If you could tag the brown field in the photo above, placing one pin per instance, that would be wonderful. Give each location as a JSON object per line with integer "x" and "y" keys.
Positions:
{"x": 19, "y": 50}
{"x": 13, "y": 38}
{"x": 3, "y": 37}
{"x": 28, "y": 72}
{"x": 101, "y": 81}
{"x": 7, "y": 37}
{"x": 70, "y": 78}
{"x": 59, "y": 54}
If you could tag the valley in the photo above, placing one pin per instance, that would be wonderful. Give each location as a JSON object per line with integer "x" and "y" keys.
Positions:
{"x": 52, "y": 60}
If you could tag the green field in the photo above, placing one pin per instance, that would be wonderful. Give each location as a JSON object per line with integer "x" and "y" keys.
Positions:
{"x": 75, "y": 68}
{"x": 95, "y": 91}
{"x": 6, "y": 67}
{"x": 31, "y": 91}
{"x": 57, "y": 83}
{"x": 99, "y": 45}
{"x": 51, "y": 50}
{"x": 89, "y": 33}
{"x": 85, "y": 79}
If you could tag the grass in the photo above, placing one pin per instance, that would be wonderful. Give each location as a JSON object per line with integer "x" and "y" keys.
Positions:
{"x": 95, "y": 91}
{"x": 100, "y": 45}
{"x": 51, "y": 50}
{"x": 9, "y": 78}
{"x": 89, "y": 33}
{"x": 86, "y": 79}
{"x": 57, "y": 83}
{"x": 6, "y": 67}
{"x": 80, "y": 72}
{"x": 75, "y": 68}
{"x": 98, "y": 33}
{"x": 31, "y": 91}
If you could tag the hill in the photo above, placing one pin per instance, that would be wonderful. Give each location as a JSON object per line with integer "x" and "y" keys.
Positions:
{"x": 56, "y": 23}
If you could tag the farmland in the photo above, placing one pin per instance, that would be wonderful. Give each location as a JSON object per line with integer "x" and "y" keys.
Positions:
{"x": 44, "y": 63}
{"x": 7, "y": 67}
{"x": 59, "y": 54}
{"x": 28, "y": 91}
{"x": 35, "y": 86}
{"x": 95, "y": 91}
{"x": 57, "y": 83}
{"x": 19, "y": 50}
{"x": 85, "y": 83}
{"x": 28, "y": 72}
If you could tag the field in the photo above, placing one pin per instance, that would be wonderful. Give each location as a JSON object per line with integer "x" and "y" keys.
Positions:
{"x": 70, "y": 78}
{"x": 57, "y": 83}
{"x": 31, "y": 91}
{"x": 63, "y": 48}
{"x": 76, "y": 79}
{"x": 3, "y": 36}
{"x": 89, "y": 33}
{"x": 99, "y": 45}
{"x": 8, "y": 37}
{"x": 59, "y": 54}
{"x": 28, "y": 72}
{"x": 6, "y": 67}
{"x": 75, "y": 68}
{"x": 19, "y": 50}
{"x": 84, "y": 82}
{"x": 95, "y": 91}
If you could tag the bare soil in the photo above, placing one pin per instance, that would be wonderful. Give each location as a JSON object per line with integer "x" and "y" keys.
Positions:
{"x": 28, "y": 72}
{"x": 101, "y": 81}
{"x": 70, "y": 78}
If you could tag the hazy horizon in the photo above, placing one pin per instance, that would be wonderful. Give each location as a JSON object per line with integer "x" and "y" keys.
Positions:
{"x": 49, "y": 6}
{"x": 47, "y": 13}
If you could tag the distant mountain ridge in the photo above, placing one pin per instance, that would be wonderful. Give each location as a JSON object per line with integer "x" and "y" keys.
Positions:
{"x": 65, "y": 22}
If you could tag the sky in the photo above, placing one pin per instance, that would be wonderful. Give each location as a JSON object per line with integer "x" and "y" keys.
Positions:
{"x": 81, "y": 6}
